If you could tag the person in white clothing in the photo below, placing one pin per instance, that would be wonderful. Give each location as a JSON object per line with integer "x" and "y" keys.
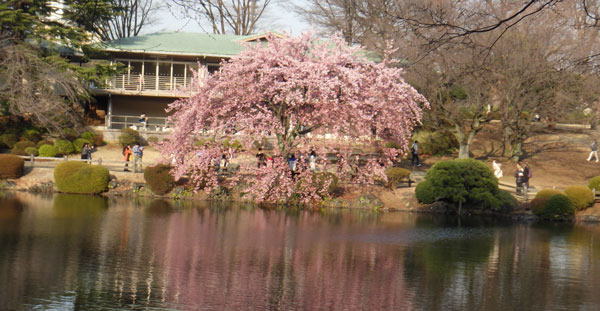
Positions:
{"x": 497, "y": 169}
{"x": 593, "y": 151}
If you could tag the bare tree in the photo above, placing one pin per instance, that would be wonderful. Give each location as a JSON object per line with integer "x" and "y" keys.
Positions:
{"x": 112, "y": 19}
{"x": 41, "y": 87}
{"x": 239, "y": 17}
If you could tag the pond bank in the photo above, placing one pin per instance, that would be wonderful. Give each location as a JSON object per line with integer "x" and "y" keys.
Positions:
{"x": 126, "y": 184}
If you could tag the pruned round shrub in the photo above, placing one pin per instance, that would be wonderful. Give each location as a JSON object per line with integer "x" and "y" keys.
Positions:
{"x": 594, "y": 183}
{"x": 159, "y": 178}
{"x": 130, "y": 137}
{"x": 80, "y": 177}
{"x": 64, "y": 147}
{"x": 581, "y": 196}
{"x": 153, "y": 139}
{"x": 32, "y": 135}
{"x": 558, "y": 206}
{"x": 79, "y": 142}
{"x": 465, "y": 182}
{"x": 547, "y": 193}
{"x": 425, "y": 193}
{"x": 233, "y": 144}
{"x": 43, "y": 142}
{"x": 8, "y": 140}
{"x": 19, "y": 147}
{"x": 395, "y": 176}
{"x": 31, "y": 151}
{"x": 47, "y": 151}
{"x": 320, "y": 179}
{"x": 12, "y": 166}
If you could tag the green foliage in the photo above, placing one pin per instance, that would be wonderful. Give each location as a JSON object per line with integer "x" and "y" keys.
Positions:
{"x": 8, "y": 140}
{"x": 465, "y": 181}
{"x": 64, "y": 147}
{"x": 88, "y": 135}
{"x": 558, "y": 206}
{"x": 44, "y": 142}
{"x": 395, "y": 176}
{"x": 31, "y": 151}
{"x": 159, "y": 179}
{"x": 80, "y": 177}
{"x": 594, "y": 183}
{"x": 436, "y": 143}
{"x": 12, "y": 166}
{"x": 47, "y": 151}
{"x": 547, "y": 193}
{"x": 79, "y": 142}
{"x": 153, "y": 139}
{"x": 130, "y": 137}
{"x": 425, "y": 193}
{"x": 581, "y": 196}
{"x": 32, "y": 135}
{"x": 19, "y": 147}
{"x": 507, "y": 200}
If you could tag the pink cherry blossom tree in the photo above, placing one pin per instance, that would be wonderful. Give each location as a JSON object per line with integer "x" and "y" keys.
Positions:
{"x": 289, "y": 88}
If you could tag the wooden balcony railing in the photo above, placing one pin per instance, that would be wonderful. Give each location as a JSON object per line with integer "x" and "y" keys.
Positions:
{"x": 145, "y": 83}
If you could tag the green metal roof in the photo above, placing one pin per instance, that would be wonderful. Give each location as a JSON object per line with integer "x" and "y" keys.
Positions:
{"x": 180, "y": 43}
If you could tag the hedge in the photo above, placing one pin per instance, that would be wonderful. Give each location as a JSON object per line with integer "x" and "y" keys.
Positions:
{"x": 19, "y": 148}
{"x": 32, "y": 135}
{"x": 12, "y": 166}
{"x": 395, "y": 176}
{"x": 594, "y": 183}
{"x": 47, "y": 151}
{"x": 558, "y": 206}
{"x": 425, "y": 193}
{"x": 581, "y": 196}
{"x": 64, "y": 147}
{"x": 159, "y": 179}
{"x": 31, "y": 151}
{"x": 547, "y": 193}
{"x": 465, "y": 181}
{"x": 321, "y": 178}
{"x": 80, "y": 177}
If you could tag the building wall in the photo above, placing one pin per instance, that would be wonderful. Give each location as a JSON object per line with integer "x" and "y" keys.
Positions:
{"x": 136, "y": 105}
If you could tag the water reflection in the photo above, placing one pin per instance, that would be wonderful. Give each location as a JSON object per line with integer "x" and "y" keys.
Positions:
{"x": 90, "y": 253}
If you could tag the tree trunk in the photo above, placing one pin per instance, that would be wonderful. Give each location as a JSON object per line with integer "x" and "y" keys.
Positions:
{"x": 464, "y": 142}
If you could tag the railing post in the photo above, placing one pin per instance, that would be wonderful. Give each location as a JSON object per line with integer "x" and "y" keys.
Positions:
{"x": 31, "y": 159}
{"x": 99, "y": 161}
{"x": 65, "y": 158}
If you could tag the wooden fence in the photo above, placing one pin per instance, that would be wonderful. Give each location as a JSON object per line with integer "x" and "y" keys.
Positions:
{"x": 51, "y": 162}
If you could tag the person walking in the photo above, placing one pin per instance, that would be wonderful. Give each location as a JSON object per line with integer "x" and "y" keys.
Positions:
{"x": 127, "y": 156}
{"x": 519, "y": 178}
{"x": 261, "y": 158}
{"x": 497, "y": 169}
{"x": 526, "y": 176}
{"x": 86, "y": 152}
{"x": 594, "y": 151}
{"x": 138, "y": 154}
{"x": 312, "y": 160}
{"x": 414, "y": 150}
{"x": 292, "y": 162}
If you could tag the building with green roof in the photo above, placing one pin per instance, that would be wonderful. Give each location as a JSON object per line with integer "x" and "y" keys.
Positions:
{"x": 157, "y": 69}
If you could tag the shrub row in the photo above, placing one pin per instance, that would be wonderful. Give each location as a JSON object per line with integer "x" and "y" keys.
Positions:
{"x": 12, "y": 166}
{"x": 554, "y": 204}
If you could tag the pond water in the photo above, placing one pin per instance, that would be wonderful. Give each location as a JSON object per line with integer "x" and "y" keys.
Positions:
{"x": 89, "y": 253}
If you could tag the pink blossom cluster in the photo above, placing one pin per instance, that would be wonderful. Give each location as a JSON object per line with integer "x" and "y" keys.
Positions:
{"x": 288, "y": 88}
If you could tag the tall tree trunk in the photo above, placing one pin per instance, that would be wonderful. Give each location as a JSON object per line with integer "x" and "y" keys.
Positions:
{"x": 464, "y": 142}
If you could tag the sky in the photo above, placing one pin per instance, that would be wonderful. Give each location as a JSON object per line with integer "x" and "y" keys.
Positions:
{"x": 280, "y": 17}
